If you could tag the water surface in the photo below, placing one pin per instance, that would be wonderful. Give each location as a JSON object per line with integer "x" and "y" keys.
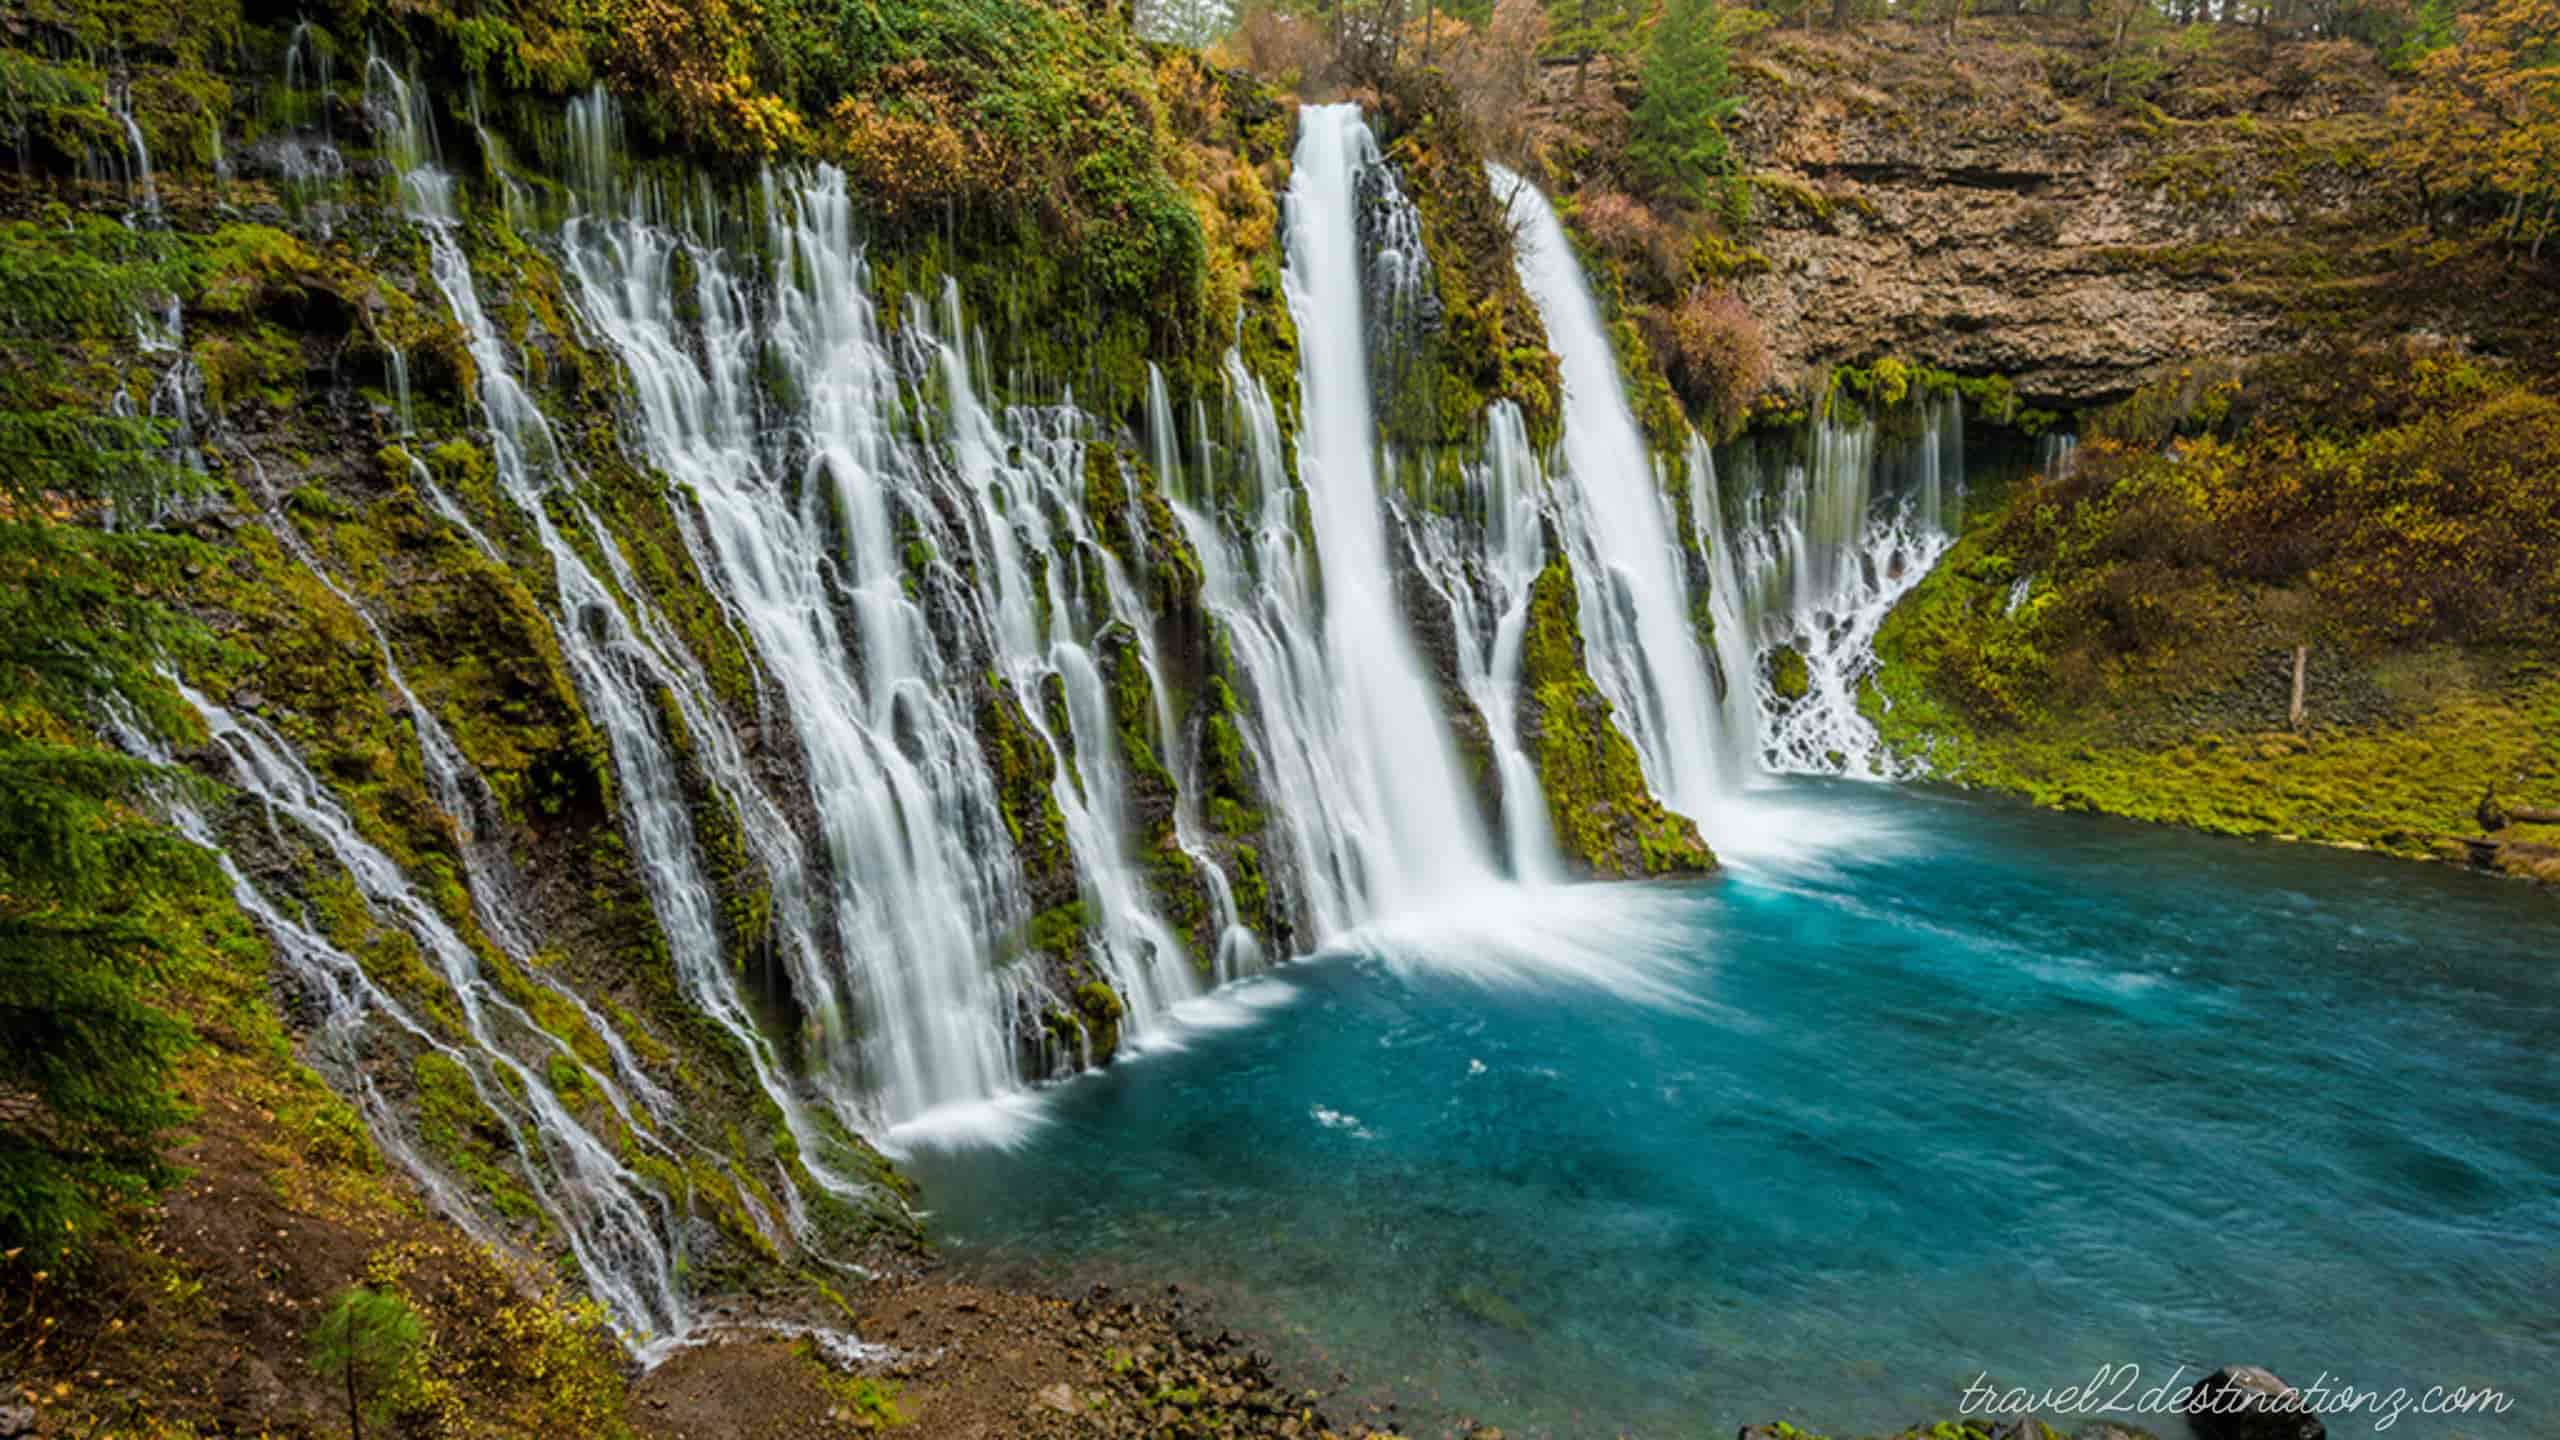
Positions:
{"x": 1948, "y": 1086}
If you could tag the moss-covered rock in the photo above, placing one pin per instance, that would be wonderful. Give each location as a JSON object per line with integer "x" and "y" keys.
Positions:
{"x": 1025, "y": 773}
{"x": 1789, "y": 679}
{"x": 1173, "y": 878}
{"x": 1484, "y": 341}
{"x": 1606, "y": 819}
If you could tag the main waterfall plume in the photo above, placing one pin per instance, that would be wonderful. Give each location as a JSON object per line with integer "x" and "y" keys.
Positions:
{"x": 1426, "y": 840}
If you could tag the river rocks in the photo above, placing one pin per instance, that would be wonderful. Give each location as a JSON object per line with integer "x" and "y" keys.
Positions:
{"x": 2244, "y": 1402}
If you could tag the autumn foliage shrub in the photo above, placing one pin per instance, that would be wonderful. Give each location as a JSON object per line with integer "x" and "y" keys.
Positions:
{"x": 1649, "y": 249}
{"x": 1721, "y": 362}
{"x": 2399, "y": 495}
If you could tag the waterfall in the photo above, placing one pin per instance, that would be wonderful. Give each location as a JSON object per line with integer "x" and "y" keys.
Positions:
{"x": 622, "y": 662}
{"x": 1733, "y": 611}
{"x": 1258, "y": 581}
{"x": 345, "y": 999}
{"x": 1612, "y": 510}
{"x": 1810, "y": 554}
{"x": 1483, "y": 563}
{"x": 624, "y": 1235}
{"x": 874, "y": 640}
{"x": 1427, "y": 841}
{"x": 2058, "y": 454}
{"x": 146, "y": 189}
{"x": 939, "y": 608}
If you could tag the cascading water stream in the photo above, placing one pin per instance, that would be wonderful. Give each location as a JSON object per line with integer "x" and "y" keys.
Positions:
{"x": 146, "y": 188}
{"x": 345, "y": 1000}
{"x": 623, "y": 1234}
{"x": 1611, "y": 509}
{"x": 1027, "y": 478}
{"x": 804, "y": 532}
{"x": 621, "y": 662}
{"x": 1427, "y": 843}
{"x": 1259, "y": 584}
{"x": 1484, "y": 562}
{"x": 1813, "y": 558}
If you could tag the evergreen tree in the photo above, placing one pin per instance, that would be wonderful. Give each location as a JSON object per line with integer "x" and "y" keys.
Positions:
{"x": 85, "y": 873}
{"x": 1584, "y": 28}
{"x": 1679, "y": 142}
{"x": 364, "y": 1344}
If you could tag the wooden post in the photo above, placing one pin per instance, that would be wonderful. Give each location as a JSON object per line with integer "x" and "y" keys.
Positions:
{"x": 2301, "y": 670}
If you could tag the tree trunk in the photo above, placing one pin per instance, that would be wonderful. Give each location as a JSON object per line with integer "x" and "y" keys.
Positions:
{"x": 355, "y": 1413}
{"x": 2301, "y": 672}
{"x": 1582, "y": 57}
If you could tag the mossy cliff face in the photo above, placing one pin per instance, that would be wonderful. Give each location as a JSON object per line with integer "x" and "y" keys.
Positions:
{"x": 1476, "y": 337}
{"x": 1606, "y": 820}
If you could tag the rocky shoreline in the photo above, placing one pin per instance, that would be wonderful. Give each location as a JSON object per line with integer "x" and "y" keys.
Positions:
{"x": 955, "y": 1358}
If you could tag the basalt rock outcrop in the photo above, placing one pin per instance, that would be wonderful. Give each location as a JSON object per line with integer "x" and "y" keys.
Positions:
{"x": 1957, "y": 206}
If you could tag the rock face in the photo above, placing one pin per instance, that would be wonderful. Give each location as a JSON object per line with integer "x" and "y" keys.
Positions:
{"x": 1952, "y": 206}
{"x": 2244, "y": 1402}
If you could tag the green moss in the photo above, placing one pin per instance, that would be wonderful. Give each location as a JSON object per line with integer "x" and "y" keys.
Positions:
{"x": 1058, "y": 929}
{"x": 1603, "y": 814}
{"x": 1135, "y": 523}
{"x": 1788, "y": 675}
{"x": 459, "y": 1129}
{"x": 1026, "y": 774}
{"x": 1489, "y": 343}
{"x": 2121, "y": 640}
{"x": 2399, "y": 784}
{"x": 1101, "y": 1012}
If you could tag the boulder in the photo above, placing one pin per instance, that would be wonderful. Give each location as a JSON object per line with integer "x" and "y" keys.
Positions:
{"x": 2245, "y": 1402}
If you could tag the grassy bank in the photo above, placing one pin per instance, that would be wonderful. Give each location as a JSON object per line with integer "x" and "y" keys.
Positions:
{"x": 2125, "y": 638}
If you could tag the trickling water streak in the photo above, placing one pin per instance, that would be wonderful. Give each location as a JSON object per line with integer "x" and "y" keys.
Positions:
{"x": 623, "y": 1234}
{"x": 146, "y": 188}
{"x": 2059, "y": 455}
